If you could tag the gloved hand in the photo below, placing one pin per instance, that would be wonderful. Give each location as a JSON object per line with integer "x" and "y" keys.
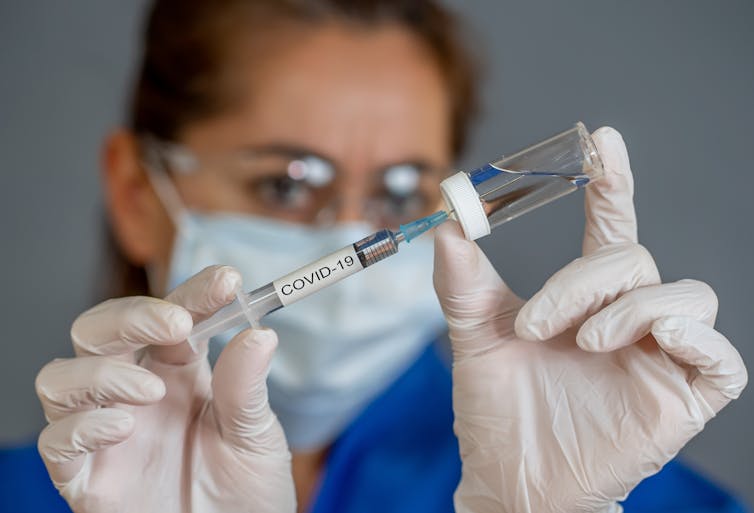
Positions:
{"x": 567, "y": 402}
{"x": 138, "y": 422}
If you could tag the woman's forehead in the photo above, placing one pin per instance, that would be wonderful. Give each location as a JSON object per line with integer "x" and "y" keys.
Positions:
{"x": 368, "y": 97}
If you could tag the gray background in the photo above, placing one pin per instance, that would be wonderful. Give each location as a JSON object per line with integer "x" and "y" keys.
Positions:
{"x": 675, "y": 77}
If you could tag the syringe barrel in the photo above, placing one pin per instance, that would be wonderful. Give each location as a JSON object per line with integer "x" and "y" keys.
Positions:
{"x": 336, "y": 266}
{"x": 256, "y": 304}
{"x": 298, "y": 284}
{"x": 317, "y": 275}
{"x": 224, "y": 319}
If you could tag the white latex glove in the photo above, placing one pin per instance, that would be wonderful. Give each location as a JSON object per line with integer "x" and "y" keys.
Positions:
{"x": 567, "y": 402}
{"x": 139, "y": 423}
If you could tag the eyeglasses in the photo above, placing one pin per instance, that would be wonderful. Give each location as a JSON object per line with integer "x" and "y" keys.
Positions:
{"x": 299, "y": 186}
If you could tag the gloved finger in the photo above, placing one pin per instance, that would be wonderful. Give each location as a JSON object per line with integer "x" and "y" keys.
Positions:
{"x": 239, "y": 390}
{"x": 721, "y": 374}
{"x": 630, "y": 317}
{"x": 67, "y": 386}
{"x": 608, "y": 202}
{"x": 207, "y": 291}
{"x": 202, "y": 295}
{"x": 64, "y": 443}
{"x": 478, "y": 306}
{"x": 582, "y": 287}
{"x": 121, "y": 326}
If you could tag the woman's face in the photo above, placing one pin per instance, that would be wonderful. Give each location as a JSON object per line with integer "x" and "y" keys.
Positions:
{"x": 367, "y": 109}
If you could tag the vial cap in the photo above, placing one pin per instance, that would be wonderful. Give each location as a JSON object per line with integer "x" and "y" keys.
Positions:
{"x": 461, "y": 196}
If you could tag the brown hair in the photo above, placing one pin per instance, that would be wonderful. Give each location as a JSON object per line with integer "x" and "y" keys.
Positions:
{"x": 188, "y": 44}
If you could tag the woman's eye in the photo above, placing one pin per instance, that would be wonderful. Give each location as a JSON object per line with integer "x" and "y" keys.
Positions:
{"x": 282, "y": 191}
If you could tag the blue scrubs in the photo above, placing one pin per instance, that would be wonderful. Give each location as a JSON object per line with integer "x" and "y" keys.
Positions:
{"x": 399, "y": 456}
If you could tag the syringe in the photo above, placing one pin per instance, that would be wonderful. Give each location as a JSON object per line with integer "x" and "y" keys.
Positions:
{"x": 252, "y": 306}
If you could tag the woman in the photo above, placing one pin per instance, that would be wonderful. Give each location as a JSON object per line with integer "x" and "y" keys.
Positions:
{"x": 263, "y": 134}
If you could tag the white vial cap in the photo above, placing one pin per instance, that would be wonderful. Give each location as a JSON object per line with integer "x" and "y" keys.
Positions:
{"x": 460, "y": 195}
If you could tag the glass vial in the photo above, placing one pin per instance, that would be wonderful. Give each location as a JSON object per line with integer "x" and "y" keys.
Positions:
{"x": 502, "y": 190}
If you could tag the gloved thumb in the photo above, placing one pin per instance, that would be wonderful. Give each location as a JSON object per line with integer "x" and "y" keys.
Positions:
{"x": 478, "y": 306}
{"x": 239, "y": 387}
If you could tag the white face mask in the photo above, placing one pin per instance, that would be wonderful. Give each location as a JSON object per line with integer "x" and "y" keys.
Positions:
{"x": 338, "y": 348}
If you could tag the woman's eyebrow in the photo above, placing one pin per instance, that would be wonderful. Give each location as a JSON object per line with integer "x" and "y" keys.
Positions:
{"x": 284, "y": 149}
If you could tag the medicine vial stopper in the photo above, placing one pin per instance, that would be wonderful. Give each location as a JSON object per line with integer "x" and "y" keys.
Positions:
{"x": 461, "y": 196}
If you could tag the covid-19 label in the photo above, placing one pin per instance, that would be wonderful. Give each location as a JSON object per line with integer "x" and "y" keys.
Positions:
{"x": 310, "y": 278}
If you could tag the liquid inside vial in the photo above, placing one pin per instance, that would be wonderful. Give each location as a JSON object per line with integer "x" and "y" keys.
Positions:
{"x": 506, "y": 194}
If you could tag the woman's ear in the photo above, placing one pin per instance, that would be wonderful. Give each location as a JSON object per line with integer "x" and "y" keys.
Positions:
{"x": 138, "y": 219}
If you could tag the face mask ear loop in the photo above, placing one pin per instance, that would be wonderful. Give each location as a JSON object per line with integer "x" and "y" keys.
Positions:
{"x": 168, "y": 195}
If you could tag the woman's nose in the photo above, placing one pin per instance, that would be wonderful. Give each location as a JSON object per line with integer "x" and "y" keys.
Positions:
{"x": 350, "y": 207}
